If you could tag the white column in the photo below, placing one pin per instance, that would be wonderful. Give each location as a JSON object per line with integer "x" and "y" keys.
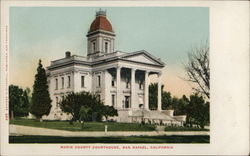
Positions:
{"x": 146, "y": 106}
{"x": 107, "y": 88}
{"x": 133, "y": 93}
{"x": 159, "y": 92}
{"x": 118, "y": 88}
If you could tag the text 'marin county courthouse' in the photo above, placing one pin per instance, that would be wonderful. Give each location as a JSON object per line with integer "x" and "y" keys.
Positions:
{"x": 120, "y": 79}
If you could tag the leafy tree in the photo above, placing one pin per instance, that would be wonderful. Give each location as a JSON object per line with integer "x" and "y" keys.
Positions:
{"x": 73, "y": 102}
{"x": 18, "y": 102}
{"x": 166, "y": 98}
{"x": 197, "y": 69}
{"x": 83, "y": 113}
{"x": 109, "y": 111}
{"x": 153, "y": 95}
{"x": 198, "y": 111}
{"x": 41, "y": 102}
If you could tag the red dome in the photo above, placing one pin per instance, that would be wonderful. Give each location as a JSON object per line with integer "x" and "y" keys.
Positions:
{"x": 101, "y": 22}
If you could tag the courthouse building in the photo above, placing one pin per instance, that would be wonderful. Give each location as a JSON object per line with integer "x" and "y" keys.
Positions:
{"x": 120, "y": 79}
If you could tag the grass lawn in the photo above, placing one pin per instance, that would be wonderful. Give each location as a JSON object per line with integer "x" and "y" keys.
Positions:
{"x": 184, "y": 129}
{"x": 88, "y": 126}
{"x": 130, "y": 139}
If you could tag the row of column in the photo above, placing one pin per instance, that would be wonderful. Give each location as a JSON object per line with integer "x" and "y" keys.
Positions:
{"x": 133, "y": 91}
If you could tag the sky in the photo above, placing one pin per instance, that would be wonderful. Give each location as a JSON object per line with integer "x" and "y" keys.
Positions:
{"x": 47, "y": 33}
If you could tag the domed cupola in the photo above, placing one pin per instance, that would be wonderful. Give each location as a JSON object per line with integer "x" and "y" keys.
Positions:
{"x": 101, "y": 22}
{"x": 100, "y": 35}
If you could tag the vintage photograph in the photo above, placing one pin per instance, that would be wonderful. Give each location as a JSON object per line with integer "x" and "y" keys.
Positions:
{"x": 109, "y": 75}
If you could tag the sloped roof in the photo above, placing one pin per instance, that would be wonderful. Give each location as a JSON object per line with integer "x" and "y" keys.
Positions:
{"x": 102, "y": 23}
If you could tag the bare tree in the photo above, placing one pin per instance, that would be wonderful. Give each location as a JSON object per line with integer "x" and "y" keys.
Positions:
{"x": 197, "y": 69}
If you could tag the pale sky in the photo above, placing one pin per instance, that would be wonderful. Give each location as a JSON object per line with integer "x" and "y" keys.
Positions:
{"x": 48, "y": 32}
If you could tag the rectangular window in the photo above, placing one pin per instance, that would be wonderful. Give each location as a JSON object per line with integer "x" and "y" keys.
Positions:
{"x": 62, "y": 82}
{"x": 127, "y": 103}
{"x": 68, "y": 81}
{"x": 113, "y": 100}
{"x": 56, "y": 84}
{"x": 99, "y": 97}
{"x": 94, "y": 49}
{"x": 127, "y": 82}
{"x": 82, "y": 81}
{"x": 99, "y": 81}
{"x": 113, "y": 82}
{"x": 57, "y": 102}
{"x": 106, "y": 47}
{"x": 140, "y": 84}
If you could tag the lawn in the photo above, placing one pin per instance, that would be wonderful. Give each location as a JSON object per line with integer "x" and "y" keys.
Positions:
{"x": 96, "y": 126}
{"x": 185, "y": 129}
{"x": 88, "y": 126}
{"x": 128, "y": 139}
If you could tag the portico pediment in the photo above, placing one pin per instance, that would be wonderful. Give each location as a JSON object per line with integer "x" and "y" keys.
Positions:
{"x": 142, "y": 57}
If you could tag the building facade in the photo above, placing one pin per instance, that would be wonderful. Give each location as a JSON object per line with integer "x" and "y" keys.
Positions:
{"x": 119, "y": 78}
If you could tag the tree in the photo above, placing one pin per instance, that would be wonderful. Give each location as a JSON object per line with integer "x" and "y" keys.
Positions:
{"x": 153, "y": 95}
{"x": 41, "y": 102}
{"x": 73, "y": 102}
{"x": 18, "y": 102}
{"x": 83, "y": 114}
{"x": 166, "y": 99}
{"x": 109, "y": 111}
{"x": 197, "y": 111}
{"x": 198, "y": 70}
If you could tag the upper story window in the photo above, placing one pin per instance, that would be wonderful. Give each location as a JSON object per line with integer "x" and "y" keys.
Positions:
{"x": 56, "y": 84}
{"x": 82, "y": 81}
{"x": 94, "y": 46}
{"x": 69, "y": 82}
{"x": 62, "y": 82}
{"x": 99, "y": 80}
{"x": 113, "y": 81}
{"x": 106, "y": 47}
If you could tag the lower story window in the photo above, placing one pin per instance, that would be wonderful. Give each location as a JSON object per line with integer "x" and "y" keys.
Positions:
{"x": 113, "y": 100}
{"x": 57, "y": 102}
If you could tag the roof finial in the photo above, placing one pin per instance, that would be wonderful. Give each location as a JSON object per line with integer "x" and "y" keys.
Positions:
{"x": 101, "y": 13}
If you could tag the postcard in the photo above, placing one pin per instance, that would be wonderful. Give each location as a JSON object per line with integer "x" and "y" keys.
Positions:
{"x": 124, "y": 78}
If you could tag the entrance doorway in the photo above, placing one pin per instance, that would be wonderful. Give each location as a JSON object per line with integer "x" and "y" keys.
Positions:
{"x": 127, "y": 103}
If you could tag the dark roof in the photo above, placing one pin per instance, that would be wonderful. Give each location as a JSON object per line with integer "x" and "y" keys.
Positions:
{"x": 101, "y": 22}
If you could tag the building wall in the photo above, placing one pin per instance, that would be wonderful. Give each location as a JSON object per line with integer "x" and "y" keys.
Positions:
{"x": 100, "y": 40}
{"x": 105, "y": 90}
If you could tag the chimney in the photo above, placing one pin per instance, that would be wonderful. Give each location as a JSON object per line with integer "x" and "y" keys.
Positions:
{"x": 67, "y": 54}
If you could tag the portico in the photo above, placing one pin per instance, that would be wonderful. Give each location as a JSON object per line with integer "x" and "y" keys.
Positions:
{"x": 135, "y": 86}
